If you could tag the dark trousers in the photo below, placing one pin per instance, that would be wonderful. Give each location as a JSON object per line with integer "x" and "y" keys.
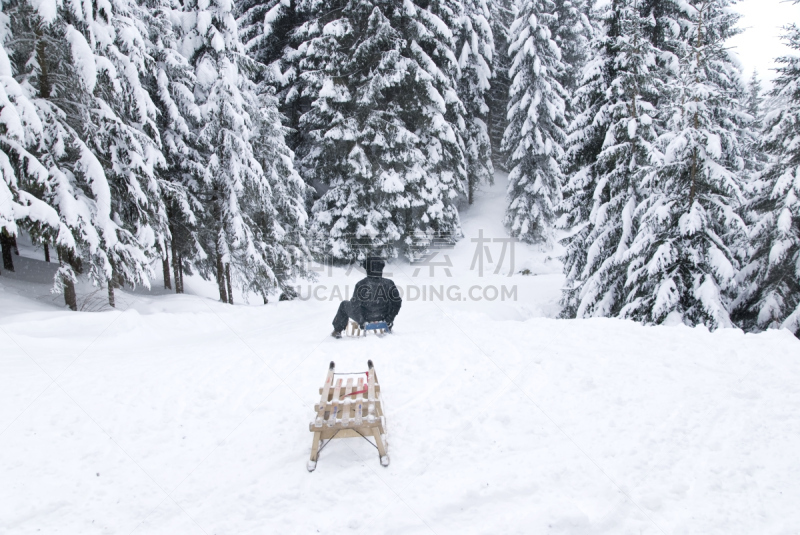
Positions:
{"x": 346, "y": 310}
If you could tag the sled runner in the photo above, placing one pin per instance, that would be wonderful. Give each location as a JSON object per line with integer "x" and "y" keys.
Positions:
{"x": 376, "y": 327}
{"x": 349, "y": 410}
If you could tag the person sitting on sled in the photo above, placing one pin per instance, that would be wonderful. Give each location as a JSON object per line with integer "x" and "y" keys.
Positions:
{"x": 374, "y": 299}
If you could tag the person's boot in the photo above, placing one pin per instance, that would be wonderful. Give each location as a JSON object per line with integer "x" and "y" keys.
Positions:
{"x": 336, "y": 334}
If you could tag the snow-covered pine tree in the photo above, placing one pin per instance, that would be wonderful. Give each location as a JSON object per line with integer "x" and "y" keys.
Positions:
{"x": 585, "y": 139}
{"x": 572, "y": 31}
{"x": 265, "y": 27}
{"x": 171, "y": 84}
{"x": 502, "y": 16}
{"x": 668, "y": 24}
{"x": 82, "y": 67}
{"x": 273, "y": 33}
{"x": 245, "y": 238}
{"x": 40, "y": 55}
{"x": 282, "y": 220}
{"x": 385, "y": 129}
{"x": 586, "y": 136}
{"x": 586, "y": 132}
{"x": 682, "y": 262}
{"x": 534, "y": 137}
{"x": 752, "y": 101}
{"x": 475, "y": 50}
{"x": 770, "y": 282}
{"x": 619, "y": 173}
{"x": 123, "y": 136}
{"x": 23, "y": 176}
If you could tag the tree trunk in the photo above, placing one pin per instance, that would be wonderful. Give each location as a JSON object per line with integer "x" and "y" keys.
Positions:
{"x": 114, "y": 282}
{"x": 165, "y": 268}
{"x": 177, "y": 269}
{"x": 266, "y": 300}
{"x": 8, "y": 259}
{"x": 217, "y": 214}
{"x": 70, "y": 297}
{"x": 470, "y": 192}
{"x": 14, "y": 244}
{"x": 180, "y": 273}
{"x": 223, "y": 294}
{"x": 176, "y": 273}
{"x": 44, "y": 75}
{"x": 44, "y": 92}
{"x": 698, "y": 44}
{"x": 693, "y": 186}
{"x": 66, "y": 257}
{"x": 228, "y": 279}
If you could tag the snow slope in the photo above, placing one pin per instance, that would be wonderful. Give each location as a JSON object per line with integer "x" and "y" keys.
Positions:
{"x": 177, "y": 414}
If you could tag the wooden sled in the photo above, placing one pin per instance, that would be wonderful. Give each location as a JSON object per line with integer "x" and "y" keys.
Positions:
{"x": 349, "y": 410}
{"x": 377, "y": 327}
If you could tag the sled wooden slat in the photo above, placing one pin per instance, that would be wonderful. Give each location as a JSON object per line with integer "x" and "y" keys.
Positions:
{"x": 371, "y": 384}
{"x": 358, "y": 404}
{"x": 328, "y": 431}
{"x": 378, "y": 404}
{"x": 372, "y": 406}
{"x": 365, "y": 423}
{"x": 378, "y": 408}
{"x": 347, "y": 402}
{"x": 352, "y": 410}
{"x": 334, "y": 404}
{"x": 377, "y": 389}
{"x": 320, "y": 409}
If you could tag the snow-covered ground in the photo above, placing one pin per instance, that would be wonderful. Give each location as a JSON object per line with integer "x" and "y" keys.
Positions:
{"x": 177, "y": 414}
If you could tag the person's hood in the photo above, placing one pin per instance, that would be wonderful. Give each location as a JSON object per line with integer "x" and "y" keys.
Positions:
{"x": 374, "y": 265}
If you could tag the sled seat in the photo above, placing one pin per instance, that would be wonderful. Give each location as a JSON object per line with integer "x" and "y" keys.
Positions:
{"x": 349, "y": 410}
{"x": 375, "y": 327}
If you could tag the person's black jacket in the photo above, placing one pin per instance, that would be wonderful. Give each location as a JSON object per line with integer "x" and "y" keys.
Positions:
{"x": 377, "y": 298}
